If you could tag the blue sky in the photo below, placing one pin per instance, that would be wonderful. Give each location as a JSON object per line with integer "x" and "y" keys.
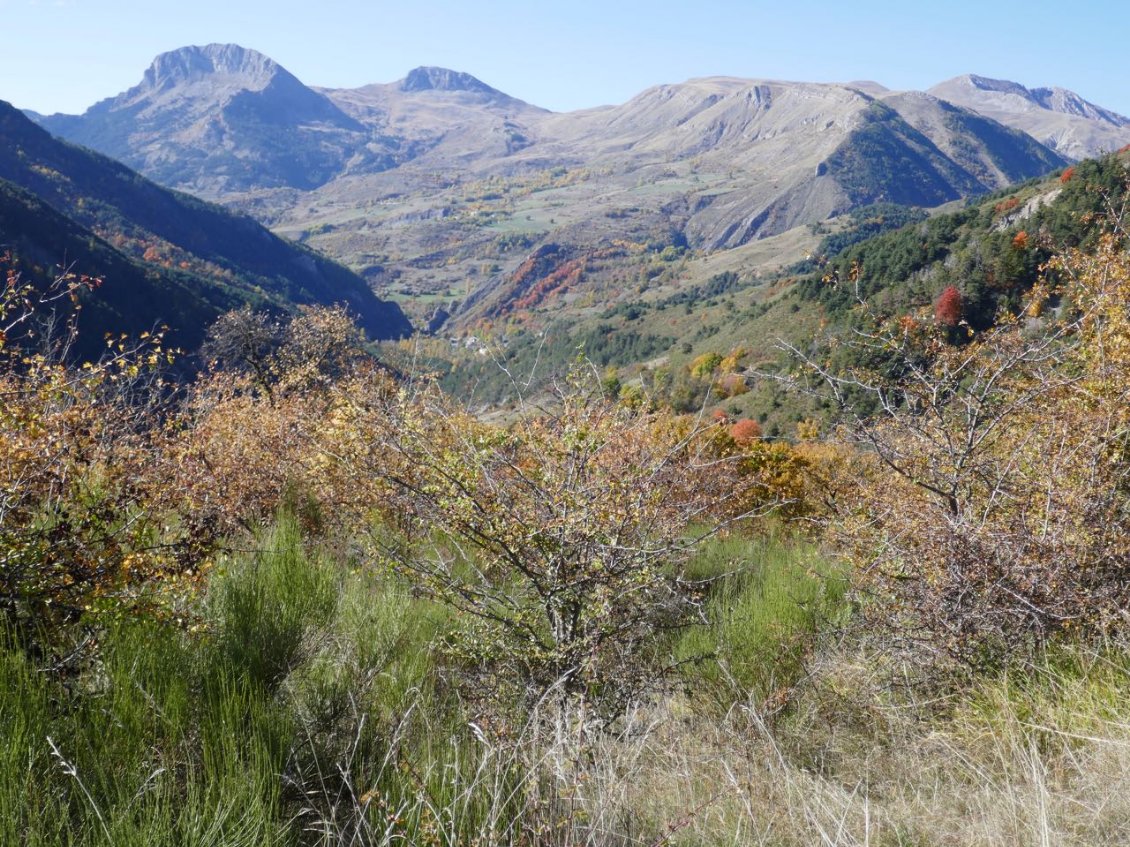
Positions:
{"x": 63, "y": 55}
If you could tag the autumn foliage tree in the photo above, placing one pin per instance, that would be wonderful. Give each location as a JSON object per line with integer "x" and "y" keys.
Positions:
{"x": 745, "y": 431}
{"x": 949, "y": 307}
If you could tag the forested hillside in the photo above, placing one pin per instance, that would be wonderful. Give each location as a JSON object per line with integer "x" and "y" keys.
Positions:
{"x": 698, "y": 334}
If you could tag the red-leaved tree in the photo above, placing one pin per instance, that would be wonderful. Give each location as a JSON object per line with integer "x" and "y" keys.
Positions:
{"x": 745, "y": 431}
{"x": 948, "y": 307}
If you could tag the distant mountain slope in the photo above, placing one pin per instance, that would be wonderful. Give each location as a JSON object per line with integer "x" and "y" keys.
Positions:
{"x": 709, "y": 164}
{"x": 133, "y": 297}
{"x": 1059, "y": 118}
{"x": 978, "y": 249}
{"x": 458, "y": 119}
{"x": 219, "y": 118}
{"x": 157, "y": 227}
{"x": 799, "y": 152}
{"x": 990, "y": 152}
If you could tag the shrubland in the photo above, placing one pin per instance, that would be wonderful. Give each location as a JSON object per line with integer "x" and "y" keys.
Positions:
{"x": 308, "y": 599}
{"x": 1000, "y": 519}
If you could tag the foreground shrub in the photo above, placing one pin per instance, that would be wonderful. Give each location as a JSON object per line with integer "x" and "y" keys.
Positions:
{"x": 995, "y": 513}
{"x": 76, "y": 454}
{"x": 244, "y": 441}
{"x": 765, "y": 617}
{"x": 560, "y": 538}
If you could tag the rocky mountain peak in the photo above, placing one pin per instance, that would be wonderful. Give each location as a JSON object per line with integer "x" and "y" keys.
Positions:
{"x": 1055, "y": 99}
{"x": 1069, "y": 103}
{"x": 442, "y": 79}
{"x": 1059, "y": 118}
{"x": 224, "y": 108}
{"x": 984, "y": 83}
{"x": 194, "y": 64}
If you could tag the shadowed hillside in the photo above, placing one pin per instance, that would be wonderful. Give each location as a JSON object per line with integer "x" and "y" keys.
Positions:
{"x": 229, "y": 257}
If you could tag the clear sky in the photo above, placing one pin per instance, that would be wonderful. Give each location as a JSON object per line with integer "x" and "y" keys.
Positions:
{"x": 64, "y": 55}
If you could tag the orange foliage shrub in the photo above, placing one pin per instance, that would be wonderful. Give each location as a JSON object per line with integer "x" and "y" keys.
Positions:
{"x": 745, "y": 432}
{"x": 1005, "y": 206}
{"x": 249, "y": 434}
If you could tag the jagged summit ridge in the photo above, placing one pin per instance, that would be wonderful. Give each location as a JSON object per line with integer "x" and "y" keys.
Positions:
{"x": 1069, "y": 103}
{"x": 985, "y": 83}
{"x": 192, "y": 64}
{"x": 1054, "y": 99}
{"x": 204, "y": 81}
{"x": 1055, "y": 116}
{"x": 209, "y": 119}
{"x": 426, "y": 78}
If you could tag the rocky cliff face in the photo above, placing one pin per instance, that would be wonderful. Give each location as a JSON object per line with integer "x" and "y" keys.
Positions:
{"x": 214, "y": 63}
{"x": 442, "y": 79}
{"x": 217, "y": 119}
{"x": 1061, "y": 119}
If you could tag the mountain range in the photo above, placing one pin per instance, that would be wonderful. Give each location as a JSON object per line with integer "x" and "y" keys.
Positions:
{"x": 221, "y": 119}
{"x": 443, "y": 191}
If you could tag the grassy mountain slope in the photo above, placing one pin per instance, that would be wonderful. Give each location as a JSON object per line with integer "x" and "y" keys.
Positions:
{"x": 661, "y": 316}
{"x": 992, "y": 250}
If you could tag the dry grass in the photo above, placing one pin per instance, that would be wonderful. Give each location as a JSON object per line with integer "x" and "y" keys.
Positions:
{"x": 1010, "y": 768}
{"x": 1047, "y": 765}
